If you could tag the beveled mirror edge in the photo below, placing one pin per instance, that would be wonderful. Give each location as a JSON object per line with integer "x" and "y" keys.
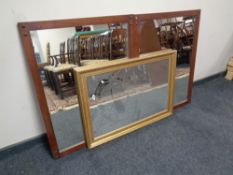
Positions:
{"x": 81, "y": 75}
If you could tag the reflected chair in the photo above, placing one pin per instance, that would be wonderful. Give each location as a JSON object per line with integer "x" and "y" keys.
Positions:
{"x": 118, "y": 41}
{"x": 61, "y": 73}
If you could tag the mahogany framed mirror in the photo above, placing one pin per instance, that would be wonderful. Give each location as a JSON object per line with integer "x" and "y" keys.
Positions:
{"x": 54, "y": 48}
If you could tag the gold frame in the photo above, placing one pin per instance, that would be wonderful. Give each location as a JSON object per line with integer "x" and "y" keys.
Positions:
{"x": 81, "y": 74}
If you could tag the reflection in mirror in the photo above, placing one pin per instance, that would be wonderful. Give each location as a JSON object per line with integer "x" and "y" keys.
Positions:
{"x": 175, "y": 33}
{"x": 58, "y": 52}
{"x": 127, "y": 95}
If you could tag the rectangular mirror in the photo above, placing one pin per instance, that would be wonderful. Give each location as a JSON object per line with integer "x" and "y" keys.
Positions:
{"x": 57, "y": 53}
{"x": 120, "y": 96}
{"x": 54, "y": 53}
{"x": 175, "y": 31}
{"x": 55, "y": 69}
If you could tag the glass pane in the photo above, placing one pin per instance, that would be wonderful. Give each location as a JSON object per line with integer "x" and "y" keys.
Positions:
{"x": 58, "y": 82}
{"x": 175, "y": 33}
{"x": 128, "y": 95}
{"x": 57, "y": 53}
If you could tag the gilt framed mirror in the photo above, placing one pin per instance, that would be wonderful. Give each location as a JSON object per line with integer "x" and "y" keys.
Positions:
{"x": 123, "y": 95}
{"x": 53, "y": 49}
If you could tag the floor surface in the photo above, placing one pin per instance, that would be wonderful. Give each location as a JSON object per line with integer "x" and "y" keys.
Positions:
{"x": 196, "y": 140}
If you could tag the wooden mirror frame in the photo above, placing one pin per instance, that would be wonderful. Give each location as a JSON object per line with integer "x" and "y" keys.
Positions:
{"x": 133, "y": 41}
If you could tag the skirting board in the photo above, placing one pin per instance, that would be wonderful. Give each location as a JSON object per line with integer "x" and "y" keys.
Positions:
{"x": 42, "y": 139}
{"x": 23, "y": 145}
{"x": 209, "y": 78}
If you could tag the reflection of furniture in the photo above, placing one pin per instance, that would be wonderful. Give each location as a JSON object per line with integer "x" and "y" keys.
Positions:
{"x": 60, "y": 74}
{"x": 62, "y": 52}
{"x": 118, "y": 41}
{"x": 178, "y": 34}
{"x": 118, "y": 45}
{"x": 70, "y": 52}
{"x": 60, "y": 78}
{"x": 91, "y": 45}
{"x": 63, "y": 79}
{"x": 98, "y": 45}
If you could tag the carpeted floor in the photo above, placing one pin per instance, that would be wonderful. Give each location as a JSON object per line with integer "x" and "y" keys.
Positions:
{"x": 196, "y": 140}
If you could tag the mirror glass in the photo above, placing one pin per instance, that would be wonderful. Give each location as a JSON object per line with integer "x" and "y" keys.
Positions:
{"x": 175, "y": 33}
{"x": 57, "y": 52}
{"x": 128, "y": 95}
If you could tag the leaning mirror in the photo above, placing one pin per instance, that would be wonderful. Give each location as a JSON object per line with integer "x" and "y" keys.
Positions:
{"x": 54, "y": 50}
{"x": 177, "y": 31}
{"x": 121, "y": 96}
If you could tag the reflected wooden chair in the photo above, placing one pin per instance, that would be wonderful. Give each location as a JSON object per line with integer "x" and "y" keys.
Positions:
{"x": 118, "y": 41}
{"x": 177, "y": 34}
{"x": 61, "y": 73}
{"x": 91, "y": 47}
{"x": 48, "y": 66}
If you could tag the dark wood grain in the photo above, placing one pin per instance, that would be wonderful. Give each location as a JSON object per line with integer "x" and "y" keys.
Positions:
{"x": 194, "y": 53}
{"x": 29, "y": 53}
{"x": 73, "y": 149}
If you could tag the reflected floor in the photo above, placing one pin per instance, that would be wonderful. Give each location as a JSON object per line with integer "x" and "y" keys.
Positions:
{"x": 182, "y": 70}
{"x": 55, "y": 103}
{"x": 181, "y": 84}
{"x": 66, "y": 119}
{"x": 67, "y": 126}
{"x": 115, "y": 114}
{"x": 181, "y": 89}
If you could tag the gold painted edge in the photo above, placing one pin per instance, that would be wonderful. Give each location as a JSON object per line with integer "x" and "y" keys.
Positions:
{"x": 81, "y": 75}
{"x": 129, "y": 128}
{"x": 123, "y": 61}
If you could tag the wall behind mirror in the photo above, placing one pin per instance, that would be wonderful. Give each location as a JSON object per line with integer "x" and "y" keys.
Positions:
{"x": 54, "y": 48}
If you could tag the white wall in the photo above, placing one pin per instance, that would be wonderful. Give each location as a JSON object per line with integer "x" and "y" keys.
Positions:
{"x": 54, "y": 37}
{"x": 20, "y": 117}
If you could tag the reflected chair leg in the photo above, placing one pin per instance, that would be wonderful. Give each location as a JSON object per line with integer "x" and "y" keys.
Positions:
{"x": 53, "y": 82}
{"x": 47, "y": 78}
{"x": 58, "y": 85}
